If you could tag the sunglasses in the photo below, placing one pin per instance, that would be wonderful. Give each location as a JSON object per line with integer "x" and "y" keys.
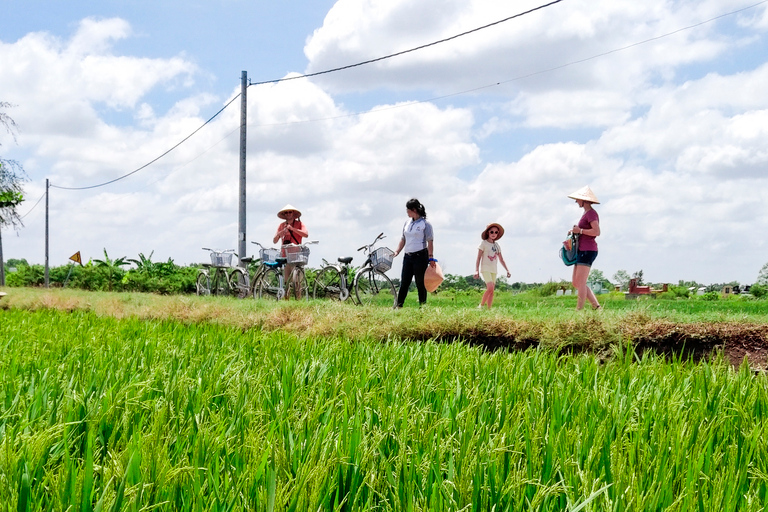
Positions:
{"x": 494, "y": 231}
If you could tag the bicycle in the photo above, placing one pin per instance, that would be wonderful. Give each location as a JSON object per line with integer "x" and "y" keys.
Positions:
{"x": 267, "y": 259}
{"x": 272, "y": 281}
{"x": 369, "y": 282}
{"x": 225, "y": 279}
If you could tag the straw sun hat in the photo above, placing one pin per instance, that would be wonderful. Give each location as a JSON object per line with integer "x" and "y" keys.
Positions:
{"x": 484, "y": 235}
{"x": 585, "y": 194}
{"x": 287, "y": 208}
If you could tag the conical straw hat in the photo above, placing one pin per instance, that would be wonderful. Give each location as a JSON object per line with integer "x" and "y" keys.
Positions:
{"x": 287, "y": 208}
{"x": 585, "y": 194}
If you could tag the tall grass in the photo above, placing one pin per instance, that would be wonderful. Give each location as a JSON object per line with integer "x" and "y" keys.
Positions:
{"x": 99, "y": 413}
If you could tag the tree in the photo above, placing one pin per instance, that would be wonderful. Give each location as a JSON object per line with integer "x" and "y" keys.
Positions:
{"x": 762, "y": 276}
{"x": 111, "y": 268}
{"x": 639, "y": 276}
{"x": 622, "y": 278}
{"x": 11, "y": 177}
{"x": 595, "y": 277}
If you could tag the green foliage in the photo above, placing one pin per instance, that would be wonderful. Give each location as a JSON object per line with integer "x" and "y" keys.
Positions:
{"x": 675, "y": 292}
{"x": 759, "y": 290}
{"x": 762, "y": 276}
{"x": 461, "y": 283}
{"x": 108, "y": 274}
{"x": 13, "y": 262}
{"x": 12, "y": 175}
{"x": 10, "y": 198}
{"x": 25, "y": 275}
{"x": 622, "y": 278}
{"x": 111, "y": 269}
{"x": 710, "y": 296}
{"x": 550, "y": 288}
{"x": 106, "y": 414}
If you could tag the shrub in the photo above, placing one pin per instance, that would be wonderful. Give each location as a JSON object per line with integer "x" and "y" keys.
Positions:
{"x": 550, "y": 288}
{"x": 675, "y": 292}
{"x": 759, "y": 290}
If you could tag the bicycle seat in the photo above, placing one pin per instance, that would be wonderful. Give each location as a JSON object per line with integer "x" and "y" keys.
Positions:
{"x": 279, "y": 262}
{"x": 207, "y": 265}
{"x": 346, "y": 261}
{"x": 246, "y": 260}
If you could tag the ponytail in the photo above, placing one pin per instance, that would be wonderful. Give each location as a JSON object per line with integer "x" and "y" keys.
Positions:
{"x": 416, "y": 206}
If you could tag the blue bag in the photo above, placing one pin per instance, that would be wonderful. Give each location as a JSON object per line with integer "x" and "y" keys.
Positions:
{"x": 570, "y": 250}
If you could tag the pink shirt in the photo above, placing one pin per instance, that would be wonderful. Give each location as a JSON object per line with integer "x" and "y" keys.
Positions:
{"x": 586, "y": 242}
{"x": 292, "y": 237}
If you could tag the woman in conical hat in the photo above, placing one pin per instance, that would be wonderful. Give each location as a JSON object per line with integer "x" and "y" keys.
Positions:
{"x": 588, "y": 229}
{"x": 291, "y": 231}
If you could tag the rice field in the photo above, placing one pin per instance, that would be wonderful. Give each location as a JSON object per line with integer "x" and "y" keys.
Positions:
{"x": 102, "y": 412}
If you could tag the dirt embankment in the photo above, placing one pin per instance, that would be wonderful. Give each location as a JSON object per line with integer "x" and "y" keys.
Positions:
{"x": 697, "y": 341}
{"x": 565, "y": 332}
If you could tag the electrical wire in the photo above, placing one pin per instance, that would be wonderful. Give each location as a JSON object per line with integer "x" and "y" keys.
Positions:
{"x": 156, "y": 159}
{"x": 521, "y": 77}
{"x": 285, "y": 79}
{"x": 378, "y": 59}
{"x": 306, "y": 76}
{"x": 33, "y": 207}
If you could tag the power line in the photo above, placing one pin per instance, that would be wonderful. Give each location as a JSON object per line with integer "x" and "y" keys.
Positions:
{"x": 420, "y": 101}
{"x": 333, "y": 70}
{"x": 156, "y": 159}
{"x": 521, "y": 77}
{"x": 33, "y": 207}
{"x": 307, "y": 76}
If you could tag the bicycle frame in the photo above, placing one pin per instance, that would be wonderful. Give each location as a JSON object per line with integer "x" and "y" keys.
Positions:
{"x": 220, "y": 273}
{"x": 343, "y": 269}
{"x": 364, "y": 276}
{"x": 297, "y": 276}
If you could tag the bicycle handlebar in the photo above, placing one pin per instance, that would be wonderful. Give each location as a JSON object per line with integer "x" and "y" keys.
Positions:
{"x": 218, "y": 250}
{"x": 380, "y": 237}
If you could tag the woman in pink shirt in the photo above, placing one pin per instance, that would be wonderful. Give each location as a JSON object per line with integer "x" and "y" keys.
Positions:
{"x": 588, "y": 228}
{"x": 291, "y": 231}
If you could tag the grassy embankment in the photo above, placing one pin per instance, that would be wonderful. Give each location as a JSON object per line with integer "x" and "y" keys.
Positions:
{"x": 99, "y": 412}
{"x": 517, "y": 321}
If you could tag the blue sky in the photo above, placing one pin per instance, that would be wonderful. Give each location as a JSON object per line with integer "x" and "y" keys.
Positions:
{"x": 670, "y": 134}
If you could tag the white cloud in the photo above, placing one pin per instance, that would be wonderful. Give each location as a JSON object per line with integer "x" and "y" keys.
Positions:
{"x": 677, "y": 165}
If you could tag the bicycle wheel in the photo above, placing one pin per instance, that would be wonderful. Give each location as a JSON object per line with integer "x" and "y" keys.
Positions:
{"x": 269, "y": 285}
{"x": 328, "y": 285}
{"x": 203, "y": 284}
{"x": 254, "y": 286}
{"x": 239, "y": 283}
{"x": 298, "y": 287}
{"x": 373, "y": 287}
{"x": 219, "y": 283}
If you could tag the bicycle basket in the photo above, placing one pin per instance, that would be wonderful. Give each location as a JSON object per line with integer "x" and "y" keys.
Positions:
{"x": 296, "y": 254}
{"x": 381, "y": 259}
{"x": 221, "y": 259}
{"x": 269, "y": 255}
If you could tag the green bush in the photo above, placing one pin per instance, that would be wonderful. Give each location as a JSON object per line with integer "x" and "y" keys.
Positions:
{"x": 163, "y": 278}
{"x": 758, "y": 290}
{"x": 675, "y": 292}
{"x": 550, "y": 288}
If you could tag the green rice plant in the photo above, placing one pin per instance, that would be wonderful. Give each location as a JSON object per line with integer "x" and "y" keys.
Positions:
{"x": 127, "y": 414}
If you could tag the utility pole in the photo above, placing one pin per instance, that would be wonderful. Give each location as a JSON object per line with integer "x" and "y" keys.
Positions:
{"x": 243, "y": 116}
{"x": 47, "y": 186}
